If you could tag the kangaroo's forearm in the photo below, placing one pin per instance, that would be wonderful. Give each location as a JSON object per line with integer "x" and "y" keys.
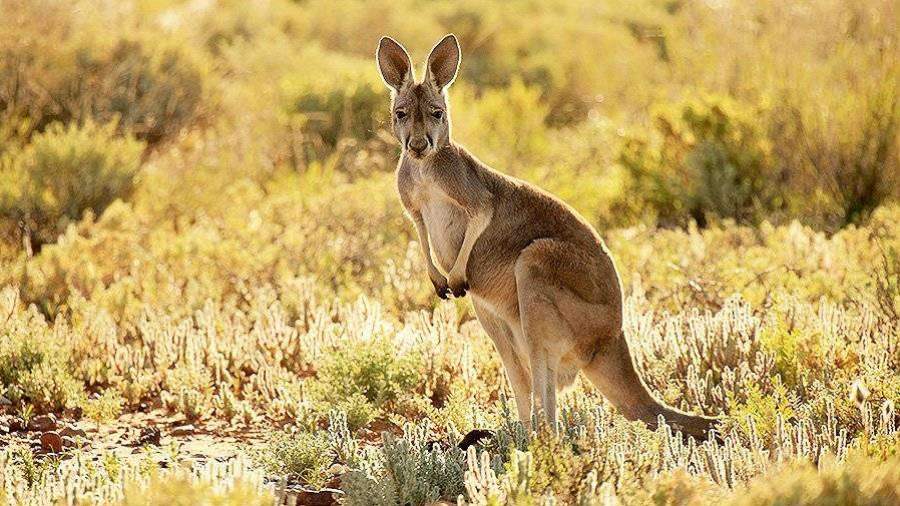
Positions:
{"x": 422, "y": 233}
{"x": 478, "y": 222}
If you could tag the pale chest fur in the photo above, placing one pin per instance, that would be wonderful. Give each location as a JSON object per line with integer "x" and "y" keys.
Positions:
{"x": 444, "y": 220}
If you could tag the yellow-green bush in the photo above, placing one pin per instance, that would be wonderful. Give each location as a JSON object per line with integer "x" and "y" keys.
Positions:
{"x": 305, "y": 455}
{"x": 66, "y": 64}
{"x": 373, "y": 371}
{"x": 856, "y": 482}
{"x": 846, "y": 154}
{"x": 64, "y": 172}
{"x": 706, "y": 158}
{"x": 34, "y": 361}
{"x": 342, "y": 99}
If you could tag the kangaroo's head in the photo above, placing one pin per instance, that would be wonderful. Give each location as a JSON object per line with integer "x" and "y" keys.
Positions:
{"x": 419, "y": 114}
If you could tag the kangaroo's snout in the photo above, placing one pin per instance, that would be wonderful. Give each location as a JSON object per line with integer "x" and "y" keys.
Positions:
{"x": 417, "y": 145}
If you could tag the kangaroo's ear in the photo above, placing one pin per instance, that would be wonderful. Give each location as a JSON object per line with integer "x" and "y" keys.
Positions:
{"x": 443, "y": 62}
{"x": 393, "y": 63}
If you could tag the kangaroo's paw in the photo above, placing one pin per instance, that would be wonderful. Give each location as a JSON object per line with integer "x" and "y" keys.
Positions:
{"x": 458, "y": 286}
{"x": 441, "y": 289}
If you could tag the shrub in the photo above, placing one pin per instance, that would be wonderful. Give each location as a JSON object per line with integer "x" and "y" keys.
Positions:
{"x": 412, "y": 469}
{"x": 34, "y": 365}
{"x": 75, "y": 65}
{"x": 305, "y": 455}
{"x": 760, "y": 414}
{"x": 64, "y": 172}
{"x": 556, "y": 466}
{"x": 888, "y": 284}
{"x": 842, "y": 151}
{"x": 168, "y": 490}
{"x": 858, "y": 481}
{"x": 369, "y": 371}
{"x": 188, "y": 390}
{"x": 504, "y": 126}
{"x": 705, "y": 158}
{"x": 341, "y": 100}
{"x": 105, "y": 407}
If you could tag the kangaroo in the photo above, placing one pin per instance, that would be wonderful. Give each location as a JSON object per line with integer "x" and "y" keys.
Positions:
{"x": 541, "y": 280}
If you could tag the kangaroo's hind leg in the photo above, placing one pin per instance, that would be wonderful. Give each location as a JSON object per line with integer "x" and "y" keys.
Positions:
{"x": 514, "y": 361}
{"x": 550, "y": 330}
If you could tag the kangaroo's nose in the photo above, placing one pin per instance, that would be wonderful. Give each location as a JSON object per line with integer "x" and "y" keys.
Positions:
{"x": 418, "y": 144}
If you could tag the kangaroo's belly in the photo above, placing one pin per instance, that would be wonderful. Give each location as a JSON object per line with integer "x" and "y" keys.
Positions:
{"x": 446, "y": 223}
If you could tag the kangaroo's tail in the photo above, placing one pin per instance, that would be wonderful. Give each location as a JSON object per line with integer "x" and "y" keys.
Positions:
{"x": 613, "y": 372}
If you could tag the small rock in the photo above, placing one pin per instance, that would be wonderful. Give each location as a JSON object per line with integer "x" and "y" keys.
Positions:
{"x": 72, "y": 432}
{"x": 51, "y": 442}
{"x": 4, "y": 401}
{"x": 338, "y": 469}
{"x": 70, "y": 442}
{"x": 182, "y": 430}
{"x": 43, "y": 423}
{"x": 324, "y": 497}
{"x": 73, "y": 413}
{"x": 149, "y": 436}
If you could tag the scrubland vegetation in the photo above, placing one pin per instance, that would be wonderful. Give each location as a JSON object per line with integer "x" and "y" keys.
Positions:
{"x": 198, "y": 218}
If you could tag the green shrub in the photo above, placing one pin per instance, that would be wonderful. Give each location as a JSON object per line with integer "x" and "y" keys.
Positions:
{"x": 760, "y": 413}
{"x": 305, "y": 455}
{"x": 49, "y": 386}
{"x": 34, "y": 370}
{"x": 705, "y": 158}
{"x": 64, "y": 172}
{"x": 411, "y": 469}
{"x": 556, "y": 466}
{"x": 798, "y": 355}
{"x": 366, "y": 379}
{"x": 359, "y": 410}
{"x": 105, "y": 407}
{"x": 168, "y": 490}
{"x": 842, "y": 151}
{"x": 76, "y": 65}
{"x": 188, "y": 390}
{"x": 341, "y": 100}
{"x": 503, "y": 126}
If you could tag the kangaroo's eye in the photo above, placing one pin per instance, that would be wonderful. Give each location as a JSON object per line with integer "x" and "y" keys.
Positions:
{"x": 400, "y": 114}
{"x": 438, "y": 114}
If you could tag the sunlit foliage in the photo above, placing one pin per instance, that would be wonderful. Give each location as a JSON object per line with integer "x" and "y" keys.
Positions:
{"x": 198, "y": 214}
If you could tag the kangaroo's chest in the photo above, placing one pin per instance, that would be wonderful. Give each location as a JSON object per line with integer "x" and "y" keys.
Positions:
{"x": 445, "y": 221}
{"x": 446, "y": 224}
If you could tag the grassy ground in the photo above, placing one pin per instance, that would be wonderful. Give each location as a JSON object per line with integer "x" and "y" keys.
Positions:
{"x": 786, "y": 333}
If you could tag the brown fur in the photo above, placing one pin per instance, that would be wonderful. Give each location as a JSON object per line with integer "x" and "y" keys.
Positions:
{"x": 543, "y": 285}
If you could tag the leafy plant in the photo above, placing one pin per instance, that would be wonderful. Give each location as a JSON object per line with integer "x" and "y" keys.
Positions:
{"x": 105, "y": 407}
{"x": 706, "y": 157}
{"x": 365, "y": 379}
{"x": 63, "y": 173}
{"x": 305, "y": 455}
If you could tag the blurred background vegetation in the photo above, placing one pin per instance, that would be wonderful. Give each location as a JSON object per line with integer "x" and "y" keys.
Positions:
{"x": 658, "y": 111}
{"x": 198, "y": 213}
{"x": 267, "y": 121}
